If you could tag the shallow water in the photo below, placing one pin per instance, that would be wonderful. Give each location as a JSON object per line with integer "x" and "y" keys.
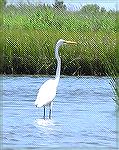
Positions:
{"x": 84, "y": 114}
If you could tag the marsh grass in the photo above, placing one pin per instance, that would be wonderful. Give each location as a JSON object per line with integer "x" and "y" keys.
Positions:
{"x": 30, "y": 34}
{"x": 115, "y": 86}
{"x": 47, "y": 18}
{"x": 32, "y": 52}
{"x": 112, "y": 71}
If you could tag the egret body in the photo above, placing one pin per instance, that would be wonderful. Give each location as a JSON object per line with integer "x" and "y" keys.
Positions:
{"x": 47, "y": 92}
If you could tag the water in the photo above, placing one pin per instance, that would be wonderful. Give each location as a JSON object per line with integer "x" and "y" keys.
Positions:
{"x": 84, "y": 114}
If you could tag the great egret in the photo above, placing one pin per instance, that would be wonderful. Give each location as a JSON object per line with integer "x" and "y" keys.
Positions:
{"x": 47, "y": 92}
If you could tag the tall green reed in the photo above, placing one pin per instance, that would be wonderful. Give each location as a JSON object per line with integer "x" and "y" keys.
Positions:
{"x": 30, "y": 34}
{"x": 33, "y": 50}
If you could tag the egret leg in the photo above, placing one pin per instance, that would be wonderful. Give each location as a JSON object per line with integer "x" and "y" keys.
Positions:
{"x": 50, "y": 106}
{"x": 44, "y": 113}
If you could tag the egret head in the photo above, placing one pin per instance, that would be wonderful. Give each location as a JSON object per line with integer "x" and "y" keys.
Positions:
{"x": 61, "y": 42}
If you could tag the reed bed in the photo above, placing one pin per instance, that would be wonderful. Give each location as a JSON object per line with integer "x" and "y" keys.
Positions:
{"x": 33, "y": 52}
{"x": 29, "y": 34}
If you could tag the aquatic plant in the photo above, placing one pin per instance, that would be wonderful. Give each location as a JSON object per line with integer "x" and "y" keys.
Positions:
{"x": 115, "y": 85}
{"x": 30, "y": 33}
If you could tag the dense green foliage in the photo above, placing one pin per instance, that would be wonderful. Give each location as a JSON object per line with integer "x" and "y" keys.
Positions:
{"x": 44, "y": 17}
{"x": 30, "y": 34}
{"x": 59, "y": 5}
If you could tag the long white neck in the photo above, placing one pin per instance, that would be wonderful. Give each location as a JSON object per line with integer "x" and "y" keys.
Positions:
{"x": 57, "y": 77}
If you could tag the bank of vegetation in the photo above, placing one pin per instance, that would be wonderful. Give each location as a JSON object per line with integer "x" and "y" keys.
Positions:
{"x": 30, "y": 34}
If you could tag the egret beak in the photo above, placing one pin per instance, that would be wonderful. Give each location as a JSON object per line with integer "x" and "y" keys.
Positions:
{"x": 70, "y": 42}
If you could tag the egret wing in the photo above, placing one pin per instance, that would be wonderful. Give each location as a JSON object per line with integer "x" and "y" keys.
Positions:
{"x": 46, "y": 93}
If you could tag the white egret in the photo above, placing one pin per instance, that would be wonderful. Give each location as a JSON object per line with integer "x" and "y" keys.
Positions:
{"x": 47, "y": 92}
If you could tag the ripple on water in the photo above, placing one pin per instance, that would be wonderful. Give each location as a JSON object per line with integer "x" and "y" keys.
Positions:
{"x": 42, "y": 122}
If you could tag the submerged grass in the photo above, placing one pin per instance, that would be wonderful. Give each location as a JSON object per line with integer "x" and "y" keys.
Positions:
{"x": 115, "y": 86}
{"x": 112, "y": 71}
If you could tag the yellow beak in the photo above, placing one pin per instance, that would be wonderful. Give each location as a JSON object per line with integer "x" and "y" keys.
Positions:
{"x": 70, "y": 42}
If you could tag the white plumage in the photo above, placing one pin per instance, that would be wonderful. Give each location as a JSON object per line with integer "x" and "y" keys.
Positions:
{"x": 47, "y": 92}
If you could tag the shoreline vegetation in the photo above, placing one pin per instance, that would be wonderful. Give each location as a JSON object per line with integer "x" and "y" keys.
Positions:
{"x": 29, "y": 34}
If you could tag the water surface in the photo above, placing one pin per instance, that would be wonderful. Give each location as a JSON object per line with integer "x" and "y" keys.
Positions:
{"x": 84, "y": 114}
